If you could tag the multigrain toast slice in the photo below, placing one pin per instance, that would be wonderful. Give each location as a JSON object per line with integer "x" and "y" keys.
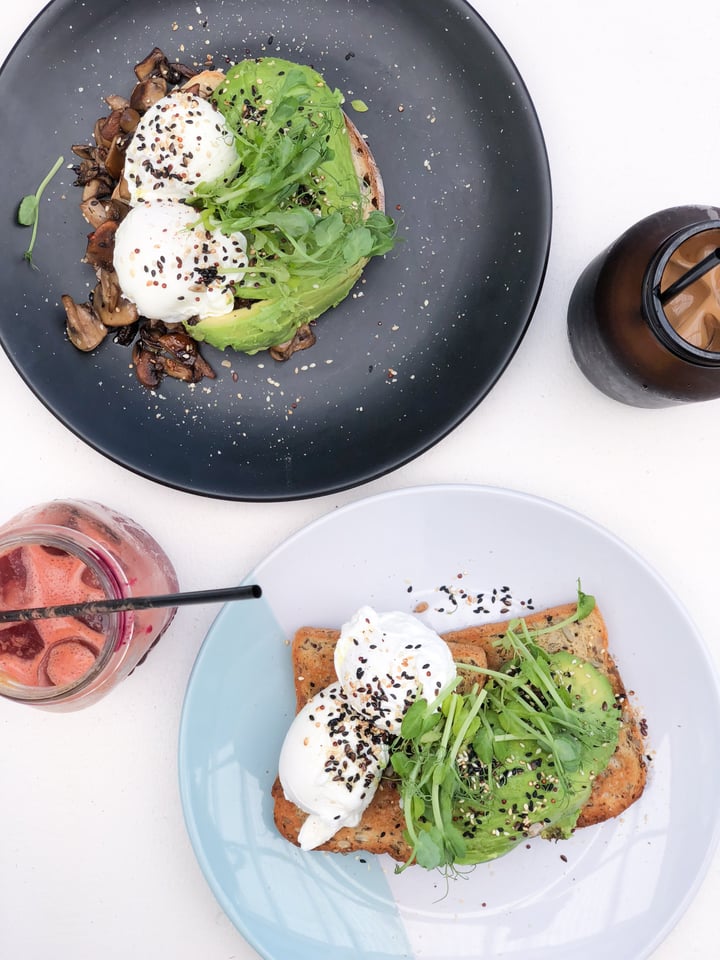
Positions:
{"x": 382, "y": 825}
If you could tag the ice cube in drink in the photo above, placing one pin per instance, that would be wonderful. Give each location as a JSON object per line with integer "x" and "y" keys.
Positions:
{"x": 58, "y": 651}
{"x": 695, "y": 312}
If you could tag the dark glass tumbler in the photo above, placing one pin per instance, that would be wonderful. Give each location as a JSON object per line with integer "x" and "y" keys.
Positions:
{"x": 619, "y": 332}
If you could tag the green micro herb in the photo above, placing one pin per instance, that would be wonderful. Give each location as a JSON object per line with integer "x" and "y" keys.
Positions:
{"x": 29, "y": 210}
{"x": 480, "y": 771}
{"x": 359, "y": 106}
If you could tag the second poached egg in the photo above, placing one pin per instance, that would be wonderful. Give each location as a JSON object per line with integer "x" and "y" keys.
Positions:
{"x": 172, "y": 267}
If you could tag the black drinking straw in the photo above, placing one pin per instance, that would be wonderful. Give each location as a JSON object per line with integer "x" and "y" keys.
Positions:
{"x": 122, "y": 604}
{"x": 693, "y": 274}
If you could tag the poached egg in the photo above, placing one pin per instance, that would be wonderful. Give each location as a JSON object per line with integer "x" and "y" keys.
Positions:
{"x": 172, "y": 267}
{"x": 337, "y": 747}
{"x": 180, "y": 141}
{"x": 384, "y": 661}
{"x": 330, "y": 765}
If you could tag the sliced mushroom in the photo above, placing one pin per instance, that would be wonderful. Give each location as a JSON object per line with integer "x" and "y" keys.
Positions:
{"x": 84, "y": 328}
{"x": 121, "y": 193}
{"x": 181, "y": 346}
{"x": 168, "y": 350}
{"x": 99, "y": 187}
{"x": 101, "y": 245}
{"x": 124, "y": 336}
{"x": 115, "y": 160}
{"x": 107, "y": 128}
{"x": 148, "y": 92}
{"x": 97, "y": 210}
{"x": 90, "y": 168}
{"x": 202, "y": 367}
{"x": 92, "y": 175}
{"x": 116, "y": 102}
{"x": 149, "y": 66}
{"x": 178, "y": 370}
{"x": 129, "y": 119}
{"x": 147, "y": 369}
{"x": 304, "y": 338}
{"x": 113, "y": 309}
{"x": 176, "y": 73}
{"x": 156, "y": 64}
{"x": 85, "y": 151}
{"x": 107, "y": 292}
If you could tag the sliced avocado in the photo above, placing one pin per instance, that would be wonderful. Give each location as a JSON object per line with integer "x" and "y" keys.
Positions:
{"x": 591, "y": 694}
{"x": 531, "y": 791}
{"x": 270, "y": 322}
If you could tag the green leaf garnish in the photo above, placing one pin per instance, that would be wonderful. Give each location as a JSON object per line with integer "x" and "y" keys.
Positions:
{"x": 585, "y": 604}
{"x": 480, "y": 770}
{"x": 567, "y": 751}
{"x": 412, "y": 722}
{"x": 359, "y": 105}
{"x": 401, "y": 764}
{"x": 29, "y": 210}
{"x": 430, "y": 848}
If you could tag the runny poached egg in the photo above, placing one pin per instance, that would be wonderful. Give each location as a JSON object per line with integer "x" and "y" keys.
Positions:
{"x": 337, "y": 747}
{"x": 171, "y": 267}
{"x": 330, "y": 765}
{"x": 384, "y": 661}
{"x": 180, "y": 141}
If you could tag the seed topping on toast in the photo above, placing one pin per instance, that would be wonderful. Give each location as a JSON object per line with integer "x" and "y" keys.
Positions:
{"x": 532, "y": 735}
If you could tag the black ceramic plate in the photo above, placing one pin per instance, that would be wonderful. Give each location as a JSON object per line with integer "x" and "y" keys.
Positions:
{"x": 426, "y": 333}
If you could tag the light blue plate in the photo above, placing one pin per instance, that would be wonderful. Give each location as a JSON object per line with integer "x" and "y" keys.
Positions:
{"x": 622, "y": 885}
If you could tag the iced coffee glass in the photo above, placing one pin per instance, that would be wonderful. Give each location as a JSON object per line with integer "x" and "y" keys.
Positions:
{"x": 70, "y": 551}
{"x": 632, "y": 342}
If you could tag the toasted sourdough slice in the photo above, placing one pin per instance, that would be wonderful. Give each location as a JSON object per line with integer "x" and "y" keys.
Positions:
{"x": 382, "y": 825}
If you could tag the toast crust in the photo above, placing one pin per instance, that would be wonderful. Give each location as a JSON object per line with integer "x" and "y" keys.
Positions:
{"x": 381, "y": 827}
{"x": 367, "y": 170}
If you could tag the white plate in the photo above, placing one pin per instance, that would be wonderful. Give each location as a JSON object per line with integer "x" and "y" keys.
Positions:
{"x": 610, "y": 891}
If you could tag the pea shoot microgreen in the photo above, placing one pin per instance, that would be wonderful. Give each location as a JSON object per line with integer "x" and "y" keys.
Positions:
{"x": 29, "y": 210}
{"x": 455, "y": 755}
{"x": 303, "y": 229}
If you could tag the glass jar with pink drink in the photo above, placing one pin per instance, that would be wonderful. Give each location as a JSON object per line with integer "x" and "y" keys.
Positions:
{"x": 70, "y": 551}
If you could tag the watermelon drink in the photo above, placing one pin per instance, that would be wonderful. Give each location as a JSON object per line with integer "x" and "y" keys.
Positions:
{"x": 70, "y": 551}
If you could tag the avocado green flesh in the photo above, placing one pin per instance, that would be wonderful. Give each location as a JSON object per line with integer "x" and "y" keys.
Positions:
{"x": 528, "y": 796}
{"x": 269, "y": 323}
{"x": 268, "y": 88}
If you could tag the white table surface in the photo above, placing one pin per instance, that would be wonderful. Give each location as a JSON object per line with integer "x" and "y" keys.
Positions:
{"x": 94, "y": 858}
